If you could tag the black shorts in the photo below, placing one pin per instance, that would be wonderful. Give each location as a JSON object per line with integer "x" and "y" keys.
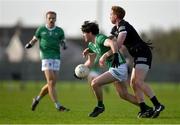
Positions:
{"x": 143, "y": 59}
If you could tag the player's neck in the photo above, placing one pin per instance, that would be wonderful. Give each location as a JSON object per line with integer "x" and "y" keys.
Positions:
{"x": 50, "y": 27}
{"x": 117, "y": 22}
{"x": 94, "y": 39}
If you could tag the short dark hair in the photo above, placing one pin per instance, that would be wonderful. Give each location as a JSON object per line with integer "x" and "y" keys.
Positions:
{"x": 90, "y": 27}
{"x": 50, "y": 12}
{"x": 119, "y": 11}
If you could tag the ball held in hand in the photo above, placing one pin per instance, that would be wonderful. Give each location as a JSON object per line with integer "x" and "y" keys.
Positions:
{"x": 81, "y": 71}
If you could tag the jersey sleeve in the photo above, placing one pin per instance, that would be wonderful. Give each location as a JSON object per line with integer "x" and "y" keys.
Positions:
{"x": 90, "y": 51}
{"x": 121, "y": 28}
{"x": 101, "y": 39}
{"x": 90, "y": 47}
{"x": 62, "y": 36}
{"x": 37, "y": 33}
{"x": 115, "y": 31}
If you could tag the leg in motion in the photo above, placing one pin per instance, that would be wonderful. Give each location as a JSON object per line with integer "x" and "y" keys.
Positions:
{"x": 137, "y": 79}
{"x": 122, "y": 91}
{"x": 142, "y": 71}
{"x": 97, "y": 85}
{"x": 43, "y": 92}
{"x": 51, "y": 81}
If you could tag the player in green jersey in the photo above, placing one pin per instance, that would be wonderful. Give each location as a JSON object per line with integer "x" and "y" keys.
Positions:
{"x": 95, "y": 71}
{"x": 99, "y": 45}
{"x": 50, "y": 38}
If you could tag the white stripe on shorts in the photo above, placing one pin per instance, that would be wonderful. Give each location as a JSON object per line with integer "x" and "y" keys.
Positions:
{"x": 144, "y": 67}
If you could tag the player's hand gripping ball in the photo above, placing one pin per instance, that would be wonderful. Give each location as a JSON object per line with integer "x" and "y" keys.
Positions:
{"x": 81, "y": 71}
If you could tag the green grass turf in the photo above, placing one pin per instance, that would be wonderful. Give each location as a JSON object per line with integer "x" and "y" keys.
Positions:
{"x": 15, "y": 105}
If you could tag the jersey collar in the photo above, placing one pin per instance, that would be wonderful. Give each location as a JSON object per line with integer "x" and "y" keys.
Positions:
{"x": 50, "y": 28}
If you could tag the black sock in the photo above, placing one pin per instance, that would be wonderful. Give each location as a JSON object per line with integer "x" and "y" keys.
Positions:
{"x": 100, "y": 104}
{"x": 155, "y": 101}
{"x": 142, "y": 106}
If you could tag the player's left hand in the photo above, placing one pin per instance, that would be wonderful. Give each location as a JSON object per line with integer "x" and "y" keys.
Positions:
{"x": 115, "y": 62}
{"x": 64, "y": 46}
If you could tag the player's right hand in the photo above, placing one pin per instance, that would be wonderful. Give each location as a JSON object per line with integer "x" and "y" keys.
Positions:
{"x": 115, "y": 62}
{"x": 85, "y": 52}
{"x": 28, "y": 45}
{"x": 77, "y": 77}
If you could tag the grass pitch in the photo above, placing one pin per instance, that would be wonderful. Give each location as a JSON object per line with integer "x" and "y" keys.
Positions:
{"x": 16, "y": 99}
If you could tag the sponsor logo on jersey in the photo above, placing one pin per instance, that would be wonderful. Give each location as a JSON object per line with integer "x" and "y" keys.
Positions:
{"x": 44, "y": 33}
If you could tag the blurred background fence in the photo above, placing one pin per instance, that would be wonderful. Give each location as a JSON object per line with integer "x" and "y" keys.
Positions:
{"x": 16, "y": 63}
{"x": 19, "y": 20}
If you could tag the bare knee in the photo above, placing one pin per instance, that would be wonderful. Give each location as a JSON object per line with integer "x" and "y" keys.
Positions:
{"x": 94, "y": 84}
{"x": 51, "y": 83}
{"x": 136, "y": 84}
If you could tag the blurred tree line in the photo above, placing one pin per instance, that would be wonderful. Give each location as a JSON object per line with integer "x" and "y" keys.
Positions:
{"x": 166, "y": 45}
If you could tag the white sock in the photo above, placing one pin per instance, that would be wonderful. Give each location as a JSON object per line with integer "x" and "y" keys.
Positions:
{"x": 57, "y": 105}
{"x": 38, "y": 98}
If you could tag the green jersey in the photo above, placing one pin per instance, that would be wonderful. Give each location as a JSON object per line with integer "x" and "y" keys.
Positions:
{"x": 99, "y": 48}
{"x": 49, "y": 41}
{"x": 95, "y": 66}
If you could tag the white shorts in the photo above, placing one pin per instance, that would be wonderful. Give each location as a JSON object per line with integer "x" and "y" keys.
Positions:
{"x": 120, "y": 73}
{"x": 50, "y": 64}
{"x": 94, "y": 73}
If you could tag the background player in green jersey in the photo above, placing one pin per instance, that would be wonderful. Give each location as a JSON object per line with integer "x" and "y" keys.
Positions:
{"x": 99, "y": 45}
{"x": 50, "y": 38}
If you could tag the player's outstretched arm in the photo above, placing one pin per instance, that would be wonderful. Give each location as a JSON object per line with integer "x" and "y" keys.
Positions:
{"x": 114, "y": 48}
{"x": 31, "y": 43}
